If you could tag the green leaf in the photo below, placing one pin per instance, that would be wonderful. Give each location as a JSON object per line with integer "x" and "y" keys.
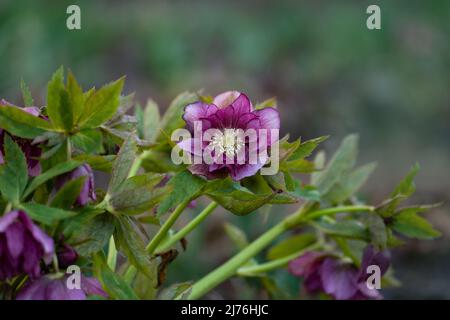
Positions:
{"x": 21, "y": 123}
{"x": 403, "y": 190}
{"x": 57, "y": 170}
{"x": 184, "y": 186}
{"x": 76, "y": 97}
{"x": 44, "y": 214}
{"x": 90, "y": 231}
{"x": 113, "y": 283}
{"x": 340, "y": 164}
{"x": 306, "y": 148}
{"x": 347, "y": 228}
{"x": 236, "y": 198}
{"x": 131, "y": 244}
{"x": 172, "y": 118}
{"x": 349, "y": 184}
{"x": 377, "y": 230}
{"x": 101, "y": 105}
{"x": 148, "y": 121}
{"x": 66, "y": 196}
{"x": 100, "y": 163}
{"x": 89, "y": 141}
{"x": 410, "y": 224}
{"x": 58, "y": 104}
{"x": 307, "y": 192}
{"x": 138, "y": 194}
{"x": 14, "y": 173}
{"x": 290, "y": 245}
{"x": 26, "y": 94}
{"x": 122, "y": 165}
{"x": 298, "y": 166}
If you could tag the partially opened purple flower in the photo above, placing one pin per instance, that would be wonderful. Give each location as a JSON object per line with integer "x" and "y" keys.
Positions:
{"x": 22, "y": 246}
{"x": 32, "y": 151}
{"x": 230, "y": 114}
{"x": 339, "y": 279}
{"x": 87, "y": 191}
{"x": 51, "y": 288}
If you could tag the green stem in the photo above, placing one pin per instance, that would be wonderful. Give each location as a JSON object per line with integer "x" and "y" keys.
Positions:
{"x": 275, "y": 264}
{"x": 331, "y": 211}
{"x": 229, "y": 268}
{"x": 137, "y": 163}
{"x": 162, "y": 232}
{"x": 187, "y": 229}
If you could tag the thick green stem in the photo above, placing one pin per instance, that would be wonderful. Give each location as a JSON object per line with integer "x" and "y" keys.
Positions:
{"x": 187, "y": 229}
{"x": 275, "y": 264}
{"x": 229, "y": 268}
{"x": 162, "y": 232}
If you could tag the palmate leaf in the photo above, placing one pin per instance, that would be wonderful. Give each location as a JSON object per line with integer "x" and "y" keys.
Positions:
{"x": 185, "y": 186}
{"x": 148, "y": 121}
{"x": 22, "y": 124}
{"x": 347, "y": 228}
{"x": 172, "y": 118}
{"x": 236, "y": 198}
{"x": 114, "y": 284}
{"x": 89, "y": 231}
{"x": 26, "y": 94}
{"x": 138, "y": 194}
{"x": 101, "y": 105}
{"x": 89, "y": 141}
{"x": 58, "y": 105}
{"x": 129, "y": 241}
{"x": 408, "y": 223}
{"x": 14, "y": 173}
{"x": 76, "y": 98}
{"x": 45, "y": 214}
{"x": 69, "y": 192}
{"x": 122, "y": 164}
{"x": 57, "y": 170}
{"x": 402, "y": 191}
{"x": 340, "y": 164}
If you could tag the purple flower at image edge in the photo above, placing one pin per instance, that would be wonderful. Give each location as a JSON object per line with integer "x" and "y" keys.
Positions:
{"x": 31, "y": 151}
{"x": 230, "y": 110}
{"x": 87, "y": 192}
{"x": 339, "y": 279}
{"x": 46, "y": 288}
{"x": 22, "y": 246}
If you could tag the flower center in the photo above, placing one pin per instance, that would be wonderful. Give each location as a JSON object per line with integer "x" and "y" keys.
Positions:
{"x": 229, "y": 142}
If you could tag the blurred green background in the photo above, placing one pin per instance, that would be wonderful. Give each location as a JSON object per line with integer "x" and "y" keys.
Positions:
{"x": 331, "y": 75}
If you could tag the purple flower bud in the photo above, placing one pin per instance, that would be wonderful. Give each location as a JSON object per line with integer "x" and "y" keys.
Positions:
{"x": 50, "y": 288}
{"x": 66, "y": 256}
{"x": 31, "y": 151}
{"x": 230, "y": 114}
{"x": 22, "y": 246}
{"x": 87, "y": 191}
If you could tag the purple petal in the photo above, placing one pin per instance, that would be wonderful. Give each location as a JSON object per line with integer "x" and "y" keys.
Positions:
{"x": 92, "y": 286}
{"x": 197, "y": 112}
{"x": 338, "y": 279}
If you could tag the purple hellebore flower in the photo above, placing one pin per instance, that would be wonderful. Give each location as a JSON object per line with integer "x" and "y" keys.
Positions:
{"x": 87, "y": 191}
{"x": 22, "y": 246}
{"x": 48, "y": 288}
{"x": 230, "y": 113}
{"x": 32, "y": 151}
{"x": 341, "y": 280}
